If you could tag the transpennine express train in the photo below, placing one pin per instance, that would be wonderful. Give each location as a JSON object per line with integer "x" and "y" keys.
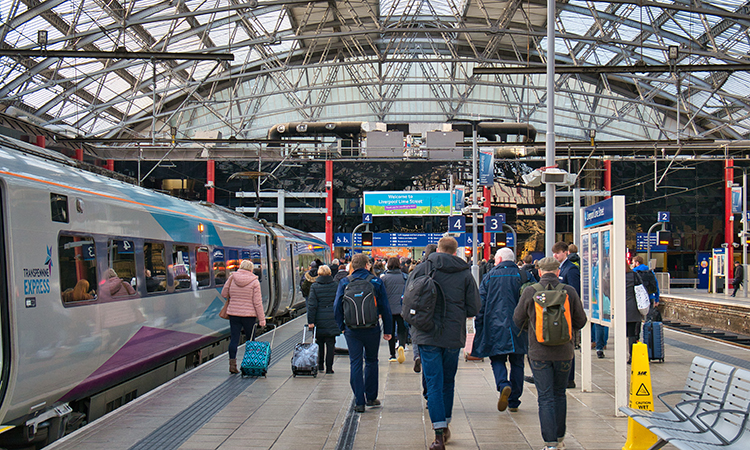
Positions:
{"x": 109, "y": 289}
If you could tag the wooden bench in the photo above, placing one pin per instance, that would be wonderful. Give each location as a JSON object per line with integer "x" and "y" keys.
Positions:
{"x": 712, "y": 412}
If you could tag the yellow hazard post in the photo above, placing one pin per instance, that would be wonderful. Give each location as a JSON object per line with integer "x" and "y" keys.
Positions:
{"x": 641, "y": 397}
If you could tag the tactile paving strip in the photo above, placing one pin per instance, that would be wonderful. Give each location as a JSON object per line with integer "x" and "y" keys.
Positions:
{"x": 177, "y": 430}
{"x": 708, "y": 354}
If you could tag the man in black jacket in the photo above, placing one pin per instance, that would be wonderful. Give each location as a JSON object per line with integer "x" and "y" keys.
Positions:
{"x": 439, "y": 349}
{"x": 549, "y": 363}
{"x": 738, "y": 277}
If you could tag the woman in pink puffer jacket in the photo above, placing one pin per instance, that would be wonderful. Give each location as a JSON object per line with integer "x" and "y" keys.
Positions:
{"x": 242, "y": 291}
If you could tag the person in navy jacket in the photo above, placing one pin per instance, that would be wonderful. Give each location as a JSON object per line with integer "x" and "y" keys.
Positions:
{"x": 364, "y": 343}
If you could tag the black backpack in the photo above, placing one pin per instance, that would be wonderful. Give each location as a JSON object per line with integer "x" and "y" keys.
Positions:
{"x": 421, "y": 298}
{"x": 359, "y": 303}
{"x": 649, "y": 281}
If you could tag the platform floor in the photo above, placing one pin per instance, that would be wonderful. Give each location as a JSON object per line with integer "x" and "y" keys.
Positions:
{"x": 208, "y": 408}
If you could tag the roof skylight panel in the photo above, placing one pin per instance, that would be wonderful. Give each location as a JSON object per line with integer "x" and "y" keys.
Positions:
{"x": 576, "y": 23}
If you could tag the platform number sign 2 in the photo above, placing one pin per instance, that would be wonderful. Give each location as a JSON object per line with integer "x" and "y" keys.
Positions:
{"x": 663, "y": 216}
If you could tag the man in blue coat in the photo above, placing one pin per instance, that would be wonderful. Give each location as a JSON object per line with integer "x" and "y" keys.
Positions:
{"x": 364, "y": 343}
{"x": 496, "y": 334}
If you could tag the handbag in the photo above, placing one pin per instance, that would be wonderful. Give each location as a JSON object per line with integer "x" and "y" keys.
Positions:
{"x": 641, "y": 298}
{"x": 223, "y": 313}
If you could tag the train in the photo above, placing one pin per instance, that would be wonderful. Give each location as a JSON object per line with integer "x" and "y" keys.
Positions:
{"x": 110, "y": 289}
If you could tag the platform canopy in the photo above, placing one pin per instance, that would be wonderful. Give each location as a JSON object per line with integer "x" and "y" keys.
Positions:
{"x": 393, "y": 61}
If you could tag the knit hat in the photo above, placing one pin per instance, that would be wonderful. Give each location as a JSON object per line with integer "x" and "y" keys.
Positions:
{"x": 548, "y": 264}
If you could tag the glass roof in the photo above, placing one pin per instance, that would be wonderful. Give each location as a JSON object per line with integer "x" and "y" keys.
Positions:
{"x": 388, "y": 61}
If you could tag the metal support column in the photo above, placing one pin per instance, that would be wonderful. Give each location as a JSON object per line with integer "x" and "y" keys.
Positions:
{"x": 728, "y": 216}
{"x": 329, "y": 204}
{"x": 549, "y": 202}
{"x": 486, "y": 238}
{"x": 281, "y": 205}
{"x": 210, "y": 180}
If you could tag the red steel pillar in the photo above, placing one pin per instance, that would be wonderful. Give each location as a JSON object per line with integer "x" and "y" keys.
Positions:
{"x": 41, "y": 141}
{"x": 111, "y": 165}
{"x": 728, "y": 216}
{"x": 210, "y": 180}
{"x": 329, "y": 204}
{"x": 79, "y": 154}
{"x": 486, "y": 236}
{"x": 608, "y": 176}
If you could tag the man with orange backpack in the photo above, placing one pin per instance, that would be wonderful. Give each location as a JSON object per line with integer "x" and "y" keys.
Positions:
{"x": 552, "y": 312}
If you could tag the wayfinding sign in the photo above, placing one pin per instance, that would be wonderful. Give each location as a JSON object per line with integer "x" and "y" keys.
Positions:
{"x": 408, "y": 203}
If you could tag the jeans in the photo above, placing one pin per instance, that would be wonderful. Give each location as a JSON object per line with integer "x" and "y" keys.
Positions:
{"x": 363, "y": 343}
{"x": 439, "y": 367}
{"x": 236, "y": 324}
{"x": 551, "y": 379}
{"x": 601, "y": 334}
{"x": 326, "y": 351}
{"x": 500, "y": 371}
{"x": 400, "y": 328}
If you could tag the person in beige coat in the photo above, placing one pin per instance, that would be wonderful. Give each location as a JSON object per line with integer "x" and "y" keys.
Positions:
{"x": 242, "y": 291}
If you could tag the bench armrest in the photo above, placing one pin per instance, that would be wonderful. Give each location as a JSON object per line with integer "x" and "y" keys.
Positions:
{"x": 725, "y": 439}
{"x": 679, "y": 391}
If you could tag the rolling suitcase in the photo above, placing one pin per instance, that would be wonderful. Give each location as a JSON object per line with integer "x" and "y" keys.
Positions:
{"x": 653, "y": 337}
{"x": 257, "y": 357}
{"x": 305, "y": 356}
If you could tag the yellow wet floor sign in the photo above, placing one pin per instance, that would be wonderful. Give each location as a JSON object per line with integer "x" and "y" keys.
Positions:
{"x": 641, "y": 397}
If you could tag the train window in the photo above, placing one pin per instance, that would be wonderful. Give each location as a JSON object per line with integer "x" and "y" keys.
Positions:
{"x": 59, "y": 204}
{"x": 156, "y": 269}
{"x": 77, "y": 262}
{"x": 220, "y": 268}
{"x": 181, "y": 266}
{"x": 202, "y": 274}
{"x": 121, "y": 258}
{"x": 233, "y": 260}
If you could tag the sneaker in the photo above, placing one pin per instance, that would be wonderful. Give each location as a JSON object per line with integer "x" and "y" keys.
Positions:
{"x": 560, "y": 445}
{"x": 401, "y": 357}
{"x": 418, "y": 365}
{"x": 392, "y": 359}
{"x": 571, "y": 384}
{"x": 547, "y": 447}
{"x": 513, "y": 409}
{"x": 528, "y": 379}
{"x": 600, "y": 354}
{"x": 359, "y": 408}
{"x": 375, "y": 402}
{"x": 502, "y": 402}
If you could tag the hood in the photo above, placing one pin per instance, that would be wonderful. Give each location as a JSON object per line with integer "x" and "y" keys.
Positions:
{"x": 311, "y": 277}
{"x": 324, "y": 279}
{"x": 448, "y": 263}
{"x": 243, "y": 277}
{"x": 573, "y": 257}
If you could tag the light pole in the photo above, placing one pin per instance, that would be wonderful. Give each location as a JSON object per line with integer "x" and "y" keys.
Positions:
{"x": 648, "y": 241}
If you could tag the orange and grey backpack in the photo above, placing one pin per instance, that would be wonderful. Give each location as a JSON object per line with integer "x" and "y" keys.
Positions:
{"x": 553, "y": 325}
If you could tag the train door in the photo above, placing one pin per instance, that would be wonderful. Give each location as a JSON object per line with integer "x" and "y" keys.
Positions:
{"x": 4, "y": 305}
{"x": 286, "y": 274}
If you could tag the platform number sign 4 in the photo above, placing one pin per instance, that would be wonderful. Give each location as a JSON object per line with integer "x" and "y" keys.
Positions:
{"x": 456, "y": 224}
{"x": 367, "y": 218}
{"x": 663, "y": 216}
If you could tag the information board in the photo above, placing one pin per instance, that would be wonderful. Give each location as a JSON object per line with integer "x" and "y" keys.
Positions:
{"x": 408, "y": 203}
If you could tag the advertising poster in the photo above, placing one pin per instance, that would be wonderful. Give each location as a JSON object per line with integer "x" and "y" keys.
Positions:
{"x": 606, "y": 278}
{"x": 595, "y": 303}
{"x": 487, "y": 167}
{"x": 585, "y": 272}
{"x": 408, "y": 203}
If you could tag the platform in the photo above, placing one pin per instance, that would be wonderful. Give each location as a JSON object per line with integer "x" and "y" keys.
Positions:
{"x": 207, "y": 408}
{"x": 714, "y": 311}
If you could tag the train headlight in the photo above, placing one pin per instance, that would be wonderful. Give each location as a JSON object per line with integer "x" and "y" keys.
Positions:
{"x": 201, "y": 228}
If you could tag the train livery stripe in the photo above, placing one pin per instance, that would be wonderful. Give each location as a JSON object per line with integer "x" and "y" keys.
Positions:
{"x": 133, "y": 202}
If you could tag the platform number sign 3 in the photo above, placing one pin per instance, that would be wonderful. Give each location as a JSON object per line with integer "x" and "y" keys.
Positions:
{"x": 663, "y": 216}
{"x": 494, "y": 224}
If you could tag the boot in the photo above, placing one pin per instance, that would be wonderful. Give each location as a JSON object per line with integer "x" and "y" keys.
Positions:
{"x": 233, "y": 366}
{"x": 439, "y": 443}
{"x": 446, "y": 434}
